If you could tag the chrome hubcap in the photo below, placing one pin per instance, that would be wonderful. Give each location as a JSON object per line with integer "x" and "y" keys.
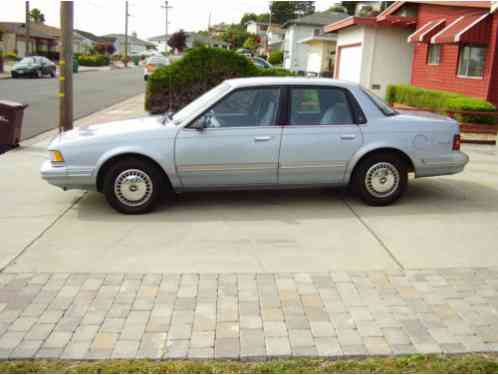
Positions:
{"x": 382, "y": 179}
{"x": 133, "y": 187}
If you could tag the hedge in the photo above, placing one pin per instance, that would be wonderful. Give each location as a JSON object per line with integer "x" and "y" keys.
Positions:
{"x": 94, "y": 60}
{"x": 441, "y": 101}
{"x": 276, "y": 57}
{"x": 175, "y": 85}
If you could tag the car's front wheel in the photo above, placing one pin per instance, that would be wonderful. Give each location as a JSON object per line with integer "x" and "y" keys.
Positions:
{"x": 380, "y": 179}
{"x": 38, "y": 73}
{"x": 133, "y": 186}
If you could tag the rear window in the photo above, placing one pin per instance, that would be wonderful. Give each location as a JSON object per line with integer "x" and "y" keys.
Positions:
{"x": 385, "y": 108}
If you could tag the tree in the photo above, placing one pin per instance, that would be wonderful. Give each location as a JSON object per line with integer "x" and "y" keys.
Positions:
{"x": 248, "y": 17}
{"x": 235, "y": 36}
{"x": 178, "y": 41}
{"x": 337, "y": 8}
{"x": 37, "y": 16}
{"x": 350, "y": 6}
{"x": 252, "y": 43}
{"x": 283, "y": 11}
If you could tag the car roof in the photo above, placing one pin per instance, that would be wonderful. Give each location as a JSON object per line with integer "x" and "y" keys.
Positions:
{"x": 269, "y": 81}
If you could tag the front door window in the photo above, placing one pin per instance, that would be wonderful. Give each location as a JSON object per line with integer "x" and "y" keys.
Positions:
{"x": 243, "y": 108}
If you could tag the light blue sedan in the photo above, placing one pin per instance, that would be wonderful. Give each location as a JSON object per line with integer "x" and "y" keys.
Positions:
{"x": 257, "y": 133}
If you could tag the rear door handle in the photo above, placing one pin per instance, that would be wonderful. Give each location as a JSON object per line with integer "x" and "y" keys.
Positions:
{"x": 348, "y": 136}
{"x": 262, "y": 139}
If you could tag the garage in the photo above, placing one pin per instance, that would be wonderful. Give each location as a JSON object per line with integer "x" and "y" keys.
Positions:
{"x": 349, "y": 67}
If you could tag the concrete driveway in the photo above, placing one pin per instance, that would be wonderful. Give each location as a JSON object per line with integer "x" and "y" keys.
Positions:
{"x": 441, "y": 222}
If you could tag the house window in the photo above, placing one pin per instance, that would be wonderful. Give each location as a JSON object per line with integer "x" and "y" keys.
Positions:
{"x": 471, "y": 63}
{"x": 434, "y": 54}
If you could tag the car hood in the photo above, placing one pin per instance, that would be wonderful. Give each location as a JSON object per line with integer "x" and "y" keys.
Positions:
{"x": 139, "y": 128}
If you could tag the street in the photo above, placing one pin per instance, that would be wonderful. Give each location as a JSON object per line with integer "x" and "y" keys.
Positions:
{"x": 93, "y": 91}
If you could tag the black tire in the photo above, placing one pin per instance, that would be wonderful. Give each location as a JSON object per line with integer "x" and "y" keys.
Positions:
{"x": 38, "y": 74}
{"x": 52, "y": 74}
{"x": 146, "y": 175}
{"x": 368, "y": 182}
{"x": 14, "y": 75}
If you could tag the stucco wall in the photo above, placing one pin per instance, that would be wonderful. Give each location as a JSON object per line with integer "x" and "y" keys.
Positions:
{"x": 386, "y": 57}
{"x": 392, "y": 58}
{"x": 315, "y": 52}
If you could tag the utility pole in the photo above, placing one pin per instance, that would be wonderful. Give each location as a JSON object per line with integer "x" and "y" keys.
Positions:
{"x": 166, "y": 8}
{"x": 269, "y": 33}
{"x": 127, "y": 15}
{"x": 28, "y": 29}
{"x": 66, "y": 66}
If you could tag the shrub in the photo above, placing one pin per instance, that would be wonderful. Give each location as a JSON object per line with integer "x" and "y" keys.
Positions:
{"x": 276, "y": 57}
{"x": 94, "y": 60}
{"x": 441, "y": 101}
{"x": 197, "y": 72}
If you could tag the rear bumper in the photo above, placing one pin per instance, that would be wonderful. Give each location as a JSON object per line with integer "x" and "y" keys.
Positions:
{"x": 452, "y": 163}
{"x": 68, "y": 178}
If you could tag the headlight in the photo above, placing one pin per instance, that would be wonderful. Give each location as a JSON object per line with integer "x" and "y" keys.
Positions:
{"x": 56, "y": 157}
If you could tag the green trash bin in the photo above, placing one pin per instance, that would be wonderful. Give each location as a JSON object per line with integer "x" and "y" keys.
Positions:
{"x": 135, "y": 60}
{"x": 76, "y": 65}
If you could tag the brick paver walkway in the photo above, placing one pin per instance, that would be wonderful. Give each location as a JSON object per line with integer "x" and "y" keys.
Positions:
{"x": 247, "y": 316}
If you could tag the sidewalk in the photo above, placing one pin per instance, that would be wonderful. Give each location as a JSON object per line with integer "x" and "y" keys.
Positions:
{"x": 202, "y": 315}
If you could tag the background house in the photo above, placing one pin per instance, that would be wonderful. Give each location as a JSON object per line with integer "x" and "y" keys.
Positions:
{"x": 191, "y": 40}
{"x": 136, "y": 46}
{"x": 297, "y": 30}
{"x": 44, "y": 39}
{"x": 271, "y": 36}
{"x": 373, "y": 51}
{"x": 89, "y": 41}
{"x": 456, "y": 47}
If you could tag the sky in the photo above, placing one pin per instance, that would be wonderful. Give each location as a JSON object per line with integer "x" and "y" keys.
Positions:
{"x": 147, "y": 17}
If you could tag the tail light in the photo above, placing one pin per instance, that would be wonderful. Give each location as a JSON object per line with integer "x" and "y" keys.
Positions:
{"x": 456, "y": 142}
{"x": 150, "y": 67}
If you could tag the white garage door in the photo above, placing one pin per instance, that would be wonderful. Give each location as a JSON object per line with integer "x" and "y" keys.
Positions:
{"x": 350, "y": 64}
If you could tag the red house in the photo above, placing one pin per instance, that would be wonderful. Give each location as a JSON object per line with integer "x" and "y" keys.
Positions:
{"x": 456, "y": 46}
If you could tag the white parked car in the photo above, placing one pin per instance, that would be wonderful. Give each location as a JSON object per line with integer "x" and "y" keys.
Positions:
{"x": 256, "y": 133}
{"x": 154, "y": 62}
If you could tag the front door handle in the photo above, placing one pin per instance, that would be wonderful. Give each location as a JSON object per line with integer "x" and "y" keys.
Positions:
{"x": 348, "y": 136}
{"x": 262, "y": 139}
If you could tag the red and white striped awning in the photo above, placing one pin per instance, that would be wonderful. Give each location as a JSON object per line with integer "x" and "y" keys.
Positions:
{"x": 470, "y": 28}
{"x": 427, "y": 31}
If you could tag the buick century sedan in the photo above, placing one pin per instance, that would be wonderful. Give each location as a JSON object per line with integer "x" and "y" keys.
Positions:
{"x": 256, "y": 133}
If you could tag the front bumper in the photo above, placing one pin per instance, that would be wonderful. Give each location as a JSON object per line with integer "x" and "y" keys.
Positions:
{"x": 68, "y": 178}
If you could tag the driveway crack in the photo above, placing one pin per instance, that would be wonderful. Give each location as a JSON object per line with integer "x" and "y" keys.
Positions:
{"x": 372, "y": 232}
{"x": 42, "y": 233}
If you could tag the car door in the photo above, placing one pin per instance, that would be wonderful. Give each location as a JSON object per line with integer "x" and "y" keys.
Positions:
{"x": 234, "y": 143}
{"x": 320, "y": 138}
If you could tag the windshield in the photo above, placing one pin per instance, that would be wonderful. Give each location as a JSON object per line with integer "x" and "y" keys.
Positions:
{"x": 28, "y": 60}
{"x": 200, "y": 102}
{"x": 380, "y": 103}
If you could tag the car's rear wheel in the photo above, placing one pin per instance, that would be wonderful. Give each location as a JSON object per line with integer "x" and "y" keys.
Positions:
{"x": 14, "y": 75}
{"x": 38, "y": 73}
{"x": 133, "y": 186}
{"x": 52, "y": 73}
{"x": 380, "y": 179}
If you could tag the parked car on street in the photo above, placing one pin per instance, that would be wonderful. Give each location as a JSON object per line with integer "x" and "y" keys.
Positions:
{"x": 154, "y": 62}
{"x": 34, "y": 67}
{"x": 255, "y": 133}
{"x": 261, "y": 63}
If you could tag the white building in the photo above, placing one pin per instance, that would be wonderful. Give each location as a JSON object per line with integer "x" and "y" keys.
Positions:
{"x": 298, "y": 30}
{"x": 191, "y": 39}
{"x": 136, "y": 46}
{"x": 373, "y": 51}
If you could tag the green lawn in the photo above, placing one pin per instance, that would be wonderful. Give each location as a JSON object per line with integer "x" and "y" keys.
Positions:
{"x": 477, "y": 363}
